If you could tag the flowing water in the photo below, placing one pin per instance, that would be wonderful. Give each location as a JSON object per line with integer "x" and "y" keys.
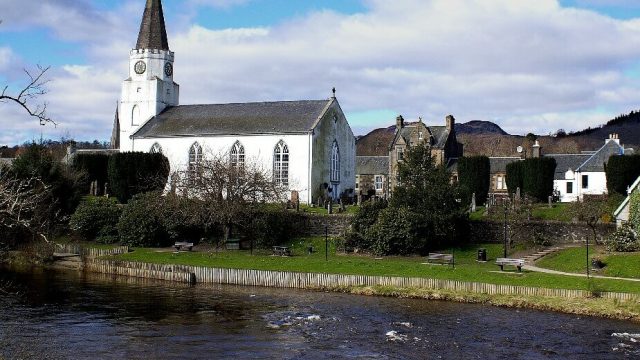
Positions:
{"x": 68, "y": 315}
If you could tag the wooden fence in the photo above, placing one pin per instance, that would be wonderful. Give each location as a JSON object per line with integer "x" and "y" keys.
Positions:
{"x": 89, "y": 252}
{"x": 279, "y": 279}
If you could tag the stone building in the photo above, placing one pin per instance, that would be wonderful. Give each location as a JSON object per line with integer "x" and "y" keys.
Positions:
{"x": 308, "y": 144}
{"x": 372, "y": 176}
{"x": 441, "y": 139}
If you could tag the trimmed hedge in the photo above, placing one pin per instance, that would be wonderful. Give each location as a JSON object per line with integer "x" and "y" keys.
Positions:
{"x": 621, "y": 172}
{"x": 474, "y": 177}
{"x": 533, "y": 176}
{"x": 95, "y": 166}
{"x": 135, "y": 173}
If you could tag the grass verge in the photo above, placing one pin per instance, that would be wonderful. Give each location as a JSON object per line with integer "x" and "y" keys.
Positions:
{"x": 466, "y": 269}
{"x": 574, "y": 260}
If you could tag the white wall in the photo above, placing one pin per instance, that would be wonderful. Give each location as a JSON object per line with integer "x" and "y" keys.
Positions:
{"x": 597, "y": 185}
{"x": 258, "y": 149}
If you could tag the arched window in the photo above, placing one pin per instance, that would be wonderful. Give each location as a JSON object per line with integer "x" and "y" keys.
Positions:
{"x": 156, "y": 149}
{"x": 281, "y": 164}
{"x": 237, "y": 154}
{"x": 195, "y": 160}
{"x": 335, "y": 162}
{"x": 135, "y": 115}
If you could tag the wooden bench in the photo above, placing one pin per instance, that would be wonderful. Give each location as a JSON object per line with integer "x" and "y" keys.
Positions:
{"x": 436, "y": 258}
{"x": 183, "y": 245}
{"x": 232, "y": 244}
{"x": 281, "y": 251}
{"x": 502, "y": 262}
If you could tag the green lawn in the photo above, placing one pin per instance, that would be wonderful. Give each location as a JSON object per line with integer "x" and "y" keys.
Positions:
{"x": 350, "y": 209}
{"x": 558, "y": 212}
{"x": 466, "y": 269}
{"x": 574, "y": 260}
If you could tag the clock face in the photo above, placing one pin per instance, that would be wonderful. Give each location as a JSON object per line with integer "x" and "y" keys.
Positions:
{"x": 168, "y": 69}
{"x": 140, "y": 67}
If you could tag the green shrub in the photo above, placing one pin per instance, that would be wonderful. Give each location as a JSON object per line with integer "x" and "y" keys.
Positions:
{"x": 362, "y": 221}
{"x": 141, "y": 223}
{"x": 269, "y": 226}
{"x": 395, "y": 232}
{"x": 135, "y": 173}
{"x": 533, "y": 176}
{"x": 515, "y": 177}
{"x": 634, "y": 210}
{"x": 624, "y": 239}
{"x": 474, "y": 178}
{"x": 96, "y": 216}
{"x": 621, "y": 172}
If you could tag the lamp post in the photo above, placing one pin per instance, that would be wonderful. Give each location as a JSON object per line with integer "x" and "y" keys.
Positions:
{"x": 326, "y": 242}
{"x": 505, "y": 230}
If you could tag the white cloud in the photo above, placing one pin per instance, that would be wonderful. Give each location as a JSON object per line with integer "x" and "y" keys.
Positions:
{"x": 530, "y": 65}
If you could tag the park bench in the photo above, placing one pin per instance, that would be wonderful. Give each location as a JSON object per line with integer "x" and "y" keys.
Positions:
{"x": 502, "y": 262}
{"x": 436, "y": 258}
{"x": 183, "y": 245}
{"x": 281, "y": 251}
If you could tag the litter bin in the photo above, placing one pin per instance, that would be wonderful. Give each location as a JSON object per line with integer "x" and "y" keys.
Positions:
{"x": 482, "y": 254}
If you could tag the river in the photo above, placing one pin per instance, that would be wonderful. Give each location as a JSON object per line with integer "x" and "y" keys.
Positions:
{"x": 69, "y": 315}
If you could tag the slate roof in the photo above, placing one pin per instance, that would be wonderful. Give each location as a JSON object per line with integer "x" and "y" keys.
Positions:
{"x": 372, "y": 165}
{"x": 499, "y": 164}
{"x": 153, "y": 34}
{"x": 596, "y": 162}
{"x": 565, "y": 162}
{"x": 284, "y": 117}
{"x": 439, "y": 134}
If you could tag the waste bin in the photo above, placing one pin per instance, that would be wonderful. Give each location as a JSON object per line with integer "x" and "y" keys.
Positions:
{"x": 482, "y": 254}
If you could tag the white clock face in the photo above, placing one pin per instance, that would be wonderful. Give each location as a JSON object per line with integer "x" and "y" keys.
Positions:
{"x": 168, "y": 69}
{"x": 140, "y": 67}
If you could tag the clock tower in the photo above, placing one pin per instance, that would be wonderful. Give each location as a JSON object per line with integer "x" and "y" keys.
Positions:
{"x": 150, "y": 87}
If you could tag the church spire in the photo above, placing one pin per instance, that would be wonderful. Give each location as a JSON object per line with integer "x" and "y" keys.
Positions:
{"x": 153, "y": 34}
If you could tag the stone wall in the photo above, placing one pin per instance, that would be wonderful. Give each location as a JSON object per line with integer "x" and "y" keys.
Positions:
{"x": 552, "y": 232}
{"x": 314, "y": 225}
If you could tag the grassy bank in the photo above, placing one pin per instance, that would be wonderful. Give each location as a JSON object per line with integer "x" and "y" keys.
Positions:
{"x": 574, "y": 260}
{"x": 614, "y": 309}
{"x": 466, "y": 269}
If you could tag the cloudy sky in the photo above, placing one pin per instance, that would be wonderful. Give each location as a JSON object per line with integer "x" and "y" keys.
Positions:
{"x": 528, "y": 65}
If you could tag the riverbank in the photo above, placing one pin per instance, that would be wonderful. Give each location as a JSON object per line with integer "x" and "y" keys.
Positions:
{"x": 593, "y": 306}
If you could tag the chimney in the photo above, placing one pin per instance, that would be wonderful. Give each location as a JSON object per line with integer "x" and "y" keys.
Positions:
{"x": 451, "y": 122}
{"x": 399, "y": 122}
{"x": 537, "y": 150}
{"x": 613, "y": 137}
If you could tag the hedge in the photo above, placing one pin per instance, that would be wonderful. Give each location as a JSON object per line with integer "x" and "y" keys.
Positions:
{"x": 135, "y": 172}
{"x": 94, "y": 166}
{"x": 474, "y": 178}
{"x": 533, "y": 176}
{"x": 621, "y": 172}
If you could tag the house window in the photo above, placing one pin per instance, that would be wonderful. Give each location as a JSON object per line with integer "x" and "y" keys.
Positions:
{"x": 499, "y": 183}
{"x": 281, "y": 164}
{"x": 237, "y": 154}
{"x": 420, "y": 137}
{"x": 585, "y": 181}
{"x": 570, "y": 188}
{"x": 195, "y": 161}
{"x": 135, "y": 115}
{"x": 335, "y": 162}
{"x": 378, "y": 182}
{"x": 156, "y": 149}
{"x": 400, "y": 154}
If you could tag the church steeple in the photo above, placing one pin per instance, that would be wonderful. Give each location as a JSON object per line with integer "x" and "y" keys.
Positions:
{"x": 153, "y": 34}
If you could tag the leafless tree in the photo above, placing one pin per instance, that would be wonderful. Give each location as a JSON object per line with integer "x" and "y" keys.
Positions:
{"x": 21, "y": 200}
{"x": 227, "y": 189}
{"x": 26, "y": 96}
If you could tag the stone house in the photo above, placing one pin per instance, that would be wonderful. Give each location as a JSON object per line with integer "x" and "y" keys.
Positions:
{"x": 441, "y": 139}
{"x": 372, "y": 176}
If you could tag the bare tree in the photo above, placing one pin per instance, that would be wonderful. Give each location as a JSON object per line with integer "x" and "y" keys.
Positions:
{"x": 29, "y": 93}
{"x": 21, "y": 200}
{"x": 228, "y": 189}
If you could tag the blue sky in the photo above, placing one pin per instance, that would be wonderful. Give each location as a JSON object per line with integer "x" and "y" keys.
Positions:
{"x": 529, "y": 65}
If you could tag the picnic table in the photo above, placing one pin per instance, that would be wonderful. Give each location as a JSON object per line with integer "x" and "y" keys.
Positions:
{"x": 183, "y": 245}
{"x": 438, "y": 258}
{"x": 502, "y": 262}
{"x": 281, "y": 251}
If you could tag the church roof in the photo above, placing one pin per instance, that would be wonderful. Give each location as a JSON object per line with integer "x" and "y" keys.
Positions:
{"x": 153, "y": 34}
{"x": 283, "y": 117}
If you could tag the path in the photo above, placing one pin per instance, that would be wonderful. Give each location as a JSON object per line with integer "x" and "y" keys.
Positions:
{"x": 549, "y": 271}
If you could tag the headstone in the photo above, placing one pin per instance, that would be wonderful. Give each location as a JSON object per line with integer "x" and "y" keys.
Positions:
{"x": 550, "y": 202}
{"x": 342, "y": 207}
{"x": 473, "y": 202}
{"x": 359, "y": 199}
{"x": 330, "y": 207}
{"x": 106, "y": 190}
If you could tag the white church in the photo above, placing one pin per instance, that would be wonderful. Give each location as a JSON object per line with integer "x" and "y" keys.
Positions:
{"x": 308, "y": 144}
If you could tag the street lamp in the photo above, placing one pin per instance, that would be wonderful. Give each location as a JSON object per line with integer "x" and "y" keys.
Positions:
{"x": 505, "y": 230}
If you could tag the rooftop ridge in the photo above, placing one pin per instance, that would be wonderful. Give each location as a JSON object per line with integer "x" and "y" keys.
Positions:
{"x": 256, "y": 102}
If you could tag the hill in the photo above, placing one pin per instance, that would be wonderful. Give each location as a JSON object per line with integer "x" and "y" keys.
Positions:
{"x": 479, "y": 127}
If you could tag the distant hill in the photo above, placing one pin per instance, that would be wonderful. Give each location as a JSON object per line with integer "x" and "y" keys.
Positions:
{"x": 486, "y": 138}
{"x": 479, "y": 127}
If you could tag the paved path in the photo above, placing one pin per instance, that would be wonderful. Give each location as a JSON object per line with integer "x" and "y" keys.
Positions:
{"x": 548, "y": 271}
